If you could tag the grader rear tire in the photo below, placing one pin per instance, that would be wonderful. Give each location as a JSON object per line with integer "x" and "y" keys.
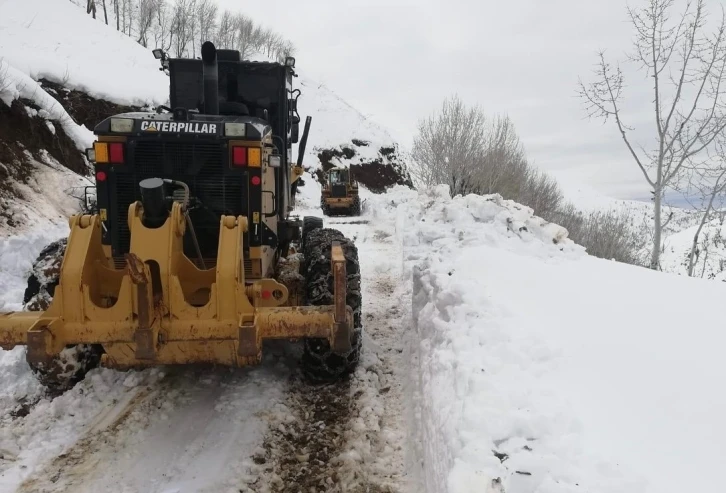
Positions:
{"x": 72, "y": 364}
{"x": 68, "y": 368}
{"x": 319, "y": 362}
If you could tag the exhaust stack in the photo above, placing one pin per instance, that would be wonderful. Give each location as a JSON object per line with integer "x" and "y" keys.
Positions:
{"x": 211, "y": 77}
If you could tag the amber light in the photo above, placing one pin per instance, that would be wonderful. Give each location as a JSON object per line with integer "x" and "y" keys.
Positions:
{"x": 253, "y": 158}
{"x": 101, "y": 151}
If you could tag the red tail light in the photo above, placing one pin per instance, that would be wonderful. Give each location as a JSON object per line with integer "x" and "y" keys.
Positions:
{"x": 101, "y": 176}
{"x": 255, "y": 180}
{"x": 116, "y": 152}
{"x": 239, "y": 156}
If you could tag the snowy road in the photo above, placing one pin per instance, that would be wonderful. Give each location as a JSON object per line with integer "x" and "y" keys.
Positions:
{"x": 255, "y": 429}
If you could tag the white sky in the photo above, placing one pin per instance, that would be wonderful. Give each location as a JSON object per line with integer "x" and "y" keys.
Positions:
{"x": 397, "y": 60}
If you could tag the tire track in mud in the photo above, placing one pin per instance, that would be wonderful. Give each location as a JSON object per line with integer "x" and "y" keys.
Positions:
{"x": 306, "y": 437}
{"x": 347, "y": 436}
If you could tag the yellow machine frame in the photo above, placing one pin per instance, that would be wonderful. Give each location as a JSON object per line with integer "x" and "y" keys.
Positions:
{"x": 161, "y": 309}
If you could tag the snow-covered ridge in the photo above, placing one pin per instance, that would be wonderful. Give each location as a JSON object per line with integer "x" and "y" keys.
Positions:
{"x": 57, "y": 41}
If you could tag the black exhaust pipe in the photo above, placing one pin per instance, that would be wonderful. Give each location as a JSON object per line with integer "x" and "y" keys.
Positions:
{"x": 211, "y": 78}
{"x": 153, "y": 199}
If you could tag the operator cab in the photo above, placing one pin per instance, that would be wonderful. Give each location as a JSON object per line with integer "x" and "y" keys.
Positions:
{"x": 338, "y": 176}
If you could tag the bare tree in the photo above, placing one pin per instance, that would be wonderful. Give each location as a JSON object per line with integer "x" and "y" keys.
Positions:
{"x": 687, "y": 66}
{"x": 162, "y": 27}
{"x": 145, "y": 18}
{"x": 449, "y": 145}
{"x": 181, "y": 27}
{"x": 471, "y": 153}
{"x": 207, "y": 15}
{"x": 244, "y": 28}
{"x": 226, "y": 31}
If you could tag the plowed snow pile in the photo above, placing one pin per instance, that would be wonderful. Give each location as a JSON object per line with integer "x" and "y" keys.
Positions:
{"x": 539, "y": 368}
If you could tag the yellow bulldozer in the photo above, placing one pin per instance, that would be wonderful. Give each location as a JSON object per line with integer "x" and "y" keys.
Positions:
{"x": 339, "y": 193}
{"x": 191, "y": 255}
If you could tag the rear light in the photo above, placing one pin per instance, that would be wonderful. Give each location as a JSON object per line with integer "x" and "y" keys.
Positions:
{"x": 101, "y": 176}
{"x": 101, "y": 152}
{"x": 253, "y": 158}
{"x": 239, "y": 156}
{"x": 255, "y": 180}
{"x": 116, "y": 152}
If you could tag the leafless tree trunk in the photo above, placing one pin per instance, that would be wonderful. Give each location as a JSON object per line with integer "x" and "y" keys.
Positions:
{"x": 91, "y": 8}
{"x": 687, "y": 68}
{"x": 105, "y": 12}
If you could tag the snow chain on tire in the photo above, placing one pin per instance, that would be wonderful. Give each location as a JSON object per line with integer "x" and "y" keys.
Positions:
{"x": 355, "y": 208}
{"x": 72, "y": 364}
{"x": 319, "y": 362}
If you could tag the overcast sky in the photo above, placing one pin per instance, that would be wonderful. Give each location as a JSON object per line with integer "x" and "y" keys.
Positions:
{"x": 397, "y": 60}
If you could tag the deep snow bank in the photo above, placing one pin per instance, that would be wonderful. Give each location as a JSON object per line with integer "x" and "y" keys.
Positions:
{"x": 539, "y": 368}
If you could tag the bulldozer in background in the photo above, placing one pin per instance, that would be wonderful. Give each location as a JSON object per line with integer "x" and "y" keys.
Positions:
{"x": 192, "y": 255}
{"x": 339, "y": 193}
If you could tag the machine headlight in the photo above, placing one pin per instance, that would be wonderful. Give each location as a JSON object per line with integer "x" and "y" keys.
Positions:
{"x": 275, "y": 162}
{"x": 235, "y": 129}
{"x": 122, "y": 125}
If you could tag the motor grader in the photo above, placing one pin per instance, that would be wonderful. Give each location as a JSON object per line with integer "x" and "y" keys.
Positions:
{"x": 339, "y": 193}
{"x": 192, "y": 255}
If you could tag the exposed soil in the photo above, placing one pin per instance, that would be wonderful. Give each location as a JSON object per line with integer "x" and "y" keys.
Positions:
{"x": 84, "y": 109}
{"x": 377, "y": 175}
{"x": 22, "y": 135}
{"x": 299, "y": 455}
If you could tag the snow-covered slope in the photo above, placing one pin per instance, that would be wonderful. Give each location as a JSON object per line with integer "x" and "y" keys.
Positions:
{"x": 57, "y": 41}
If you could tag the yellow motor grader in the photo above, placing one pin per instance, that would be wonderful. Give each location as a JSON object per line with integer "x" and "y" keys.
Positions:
{"x": 192, "y": 255}
{"x": 339, "y": 193}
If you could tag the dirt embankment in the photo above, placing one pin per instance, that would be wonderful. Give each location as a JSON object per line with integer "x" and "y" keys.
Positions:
{"x": 377, "y": 175}
{"x": 84, "y": 109}
{"x": 28, "y": 138}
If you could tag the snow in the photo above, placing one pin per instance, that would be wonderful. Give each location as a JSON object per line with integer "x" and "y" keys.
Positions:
{"x": 588, "y": 374}
{"x": 57, "y": 41}
{"x": 710, "y": 257}
{"x": 498, "y": 355}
